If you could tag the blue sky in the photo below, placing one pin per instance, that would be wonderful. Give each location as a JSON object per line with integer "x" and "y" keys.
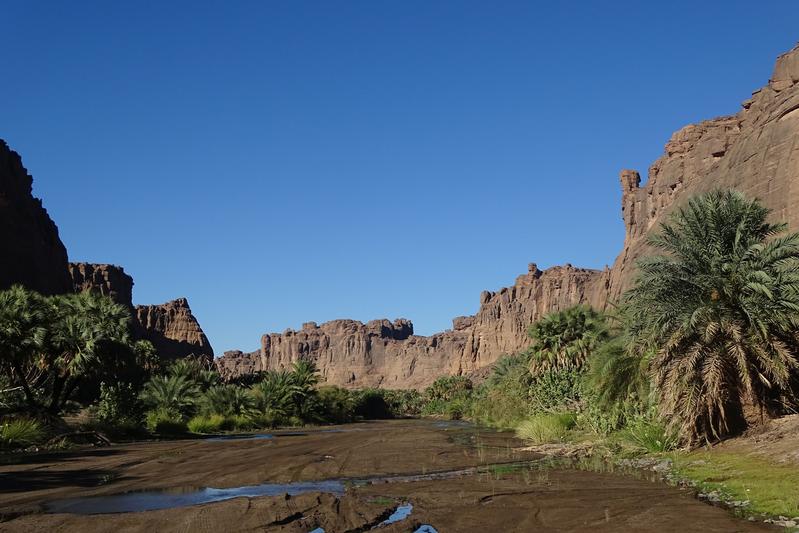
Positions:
{"x": 279, "y": 162}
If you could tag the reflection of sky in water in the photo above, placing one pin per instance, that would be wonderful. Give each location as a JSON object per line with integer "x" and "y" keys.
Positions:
{"x": 400, "y": 513}
{"x": 166, "y": 499}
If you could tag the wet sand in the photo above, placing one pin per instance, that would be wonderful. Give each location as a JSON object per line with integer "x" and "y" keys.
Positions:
{"x": 481, "y": 498}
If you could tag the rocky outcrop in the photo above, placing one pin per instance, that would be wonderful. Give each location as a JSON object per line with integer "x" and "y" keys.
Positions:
{"x": 173, "y": 330}
{"x": 171, "y": 327}
{"x": 32, "y": 252}
{"x": 755, "y": 151}
{"x": 382, "y": 353}
{"x": 108, "y": 280}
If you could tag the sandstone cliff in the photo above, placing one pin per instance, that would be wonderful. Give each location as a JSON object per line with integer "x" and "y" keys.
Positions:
{"x": 755, "y": 151}
{"x": 108, "y": 280}
{"x": 173, "y": 329}
{"x": 388, "y": 354}
{"x": 31, "y": 251}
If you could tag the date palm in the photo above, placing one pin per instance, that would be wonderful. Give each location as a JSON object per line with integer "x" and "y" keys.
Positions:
{"x": 226, "y": 400}
{"x": 85, "y": 326}
{"x": 564, "y": 339}
{"x": 721, "y": 308}
{"x": 171, "y": 393}
{"x": 23, "y": 330}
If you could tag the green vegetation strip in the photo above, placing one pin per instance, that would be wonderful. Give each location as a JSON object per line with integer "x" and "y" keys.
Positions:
{"x": 771, "y": 489}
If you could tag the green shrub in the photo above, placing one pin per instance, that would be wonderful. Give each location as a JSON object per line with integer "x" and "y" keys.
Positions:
{"x": 649, "y": 436}
{"x": 556, "y": 387}
{"x": 447, "y": 388}
{"x": 370, "y": 404}
{"x": 165, "y": 421}
{"x": 457, "y": 408}
{"x": 546, "y": 427}
{"x": 264, "y": 420}
{"x": 119, "y": 405}
{"x": 242, "y": 423}
{"x": 226, "y": 400}
{"x": 209, "y": 424}
{"x": 403, "y": 403}
{"x": 173, "y": 394}
{"x": 20, "y": 433}
{"x": 504, "y": 404}
{"x": 335, "y": 405}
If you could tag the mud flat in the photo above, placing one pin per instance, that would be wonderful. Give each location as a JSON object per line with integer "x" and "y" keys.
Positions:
{"x": 387, "y": 476}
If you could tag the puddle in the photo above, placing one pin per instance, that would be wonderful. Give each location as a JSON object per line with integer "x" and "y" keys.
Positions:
{"x": 150, "y": 500}
{"x": 249, "y": 436}
{"x": 153, "y": 500}
{"x": 400, "y": 513}
{"x": 426, "y": 528}
{"x": 265, "y": 436}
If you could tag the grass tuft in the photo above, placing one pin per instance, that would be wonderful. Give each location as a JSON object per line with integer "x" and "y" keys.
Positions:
{"x": 20, "y": 433}
{"x": 546, "y": 427}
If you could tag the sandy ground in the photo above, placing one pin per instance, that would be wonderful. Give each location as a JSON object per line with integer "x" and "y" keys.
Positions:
{"x": 500, "y": 499}
{"x": 776, "y": 440}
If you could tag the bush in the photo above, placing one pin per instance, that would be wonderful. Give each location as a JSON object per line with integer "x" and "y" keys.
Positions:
{"x": 20, "y": 433}
{"x": 336, "y": 405}
{"x": 226, "y": 400}
{"x": 263, "y": 420}
{"x": 504, "y": 404}
{"x": 209, "y": 424}
{"x": 119, "y": 405}
{"x": 370, "y": 404}
{"x": 546, "y": 427}
{"x": 403, "y": 403}
{"x": 555, "y": 388}
{"x": 165, "y": 421}
{"x": 649, "y": 436}
{"x": 242, "y": 423}
{"x": 448, "y": 388}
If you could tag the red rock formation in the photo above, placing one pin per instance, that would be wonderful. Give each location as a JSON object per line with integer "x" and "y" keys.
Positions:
{"x": 108, "y": 280}
{"x": 171, "y": 327}
{"x": 173, "y": 330}
{"x": 387, "y": 354}
{"x": 755, "y": 151}
{"x": 31, "y": 251}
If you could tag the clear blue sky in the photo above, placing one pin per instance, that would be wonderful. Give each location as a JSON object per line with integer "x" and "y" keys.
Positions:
{"x": 279, "y": 162}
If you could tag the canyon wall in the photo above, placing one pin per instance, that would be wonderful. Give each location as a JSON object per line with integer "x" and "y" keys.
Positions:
{"x": 173, "y": 330}
{"x": 387, "y": 354}
{"x": 171, "y": 327}
{"x": 755, "y": 151}
{"x": 32, "y": 252}
{"x": 34, "y": 256}
{"x": 108, "y": 280}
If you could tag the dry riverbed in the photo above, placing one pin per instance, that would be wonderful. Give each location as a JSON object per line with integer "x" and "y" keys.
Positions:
{"x": 393, "y": 476}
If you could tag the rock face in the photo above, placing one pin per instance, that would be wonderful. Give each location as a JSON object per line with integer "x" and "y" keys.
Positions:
{"x": 173, "y": 330}
{"x": 755, "y": 151}
{"x": 31, "y": 251}
{"x": 171, "y": 327}
{"x": 108, "y": 280}
{"x": 382, "y": 353}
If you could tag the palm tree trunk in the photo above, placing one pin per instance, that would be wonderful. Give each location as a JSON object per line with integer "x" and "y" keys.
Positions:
{"x": 58, "y": 387}
{"x": 29, "y": 397}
